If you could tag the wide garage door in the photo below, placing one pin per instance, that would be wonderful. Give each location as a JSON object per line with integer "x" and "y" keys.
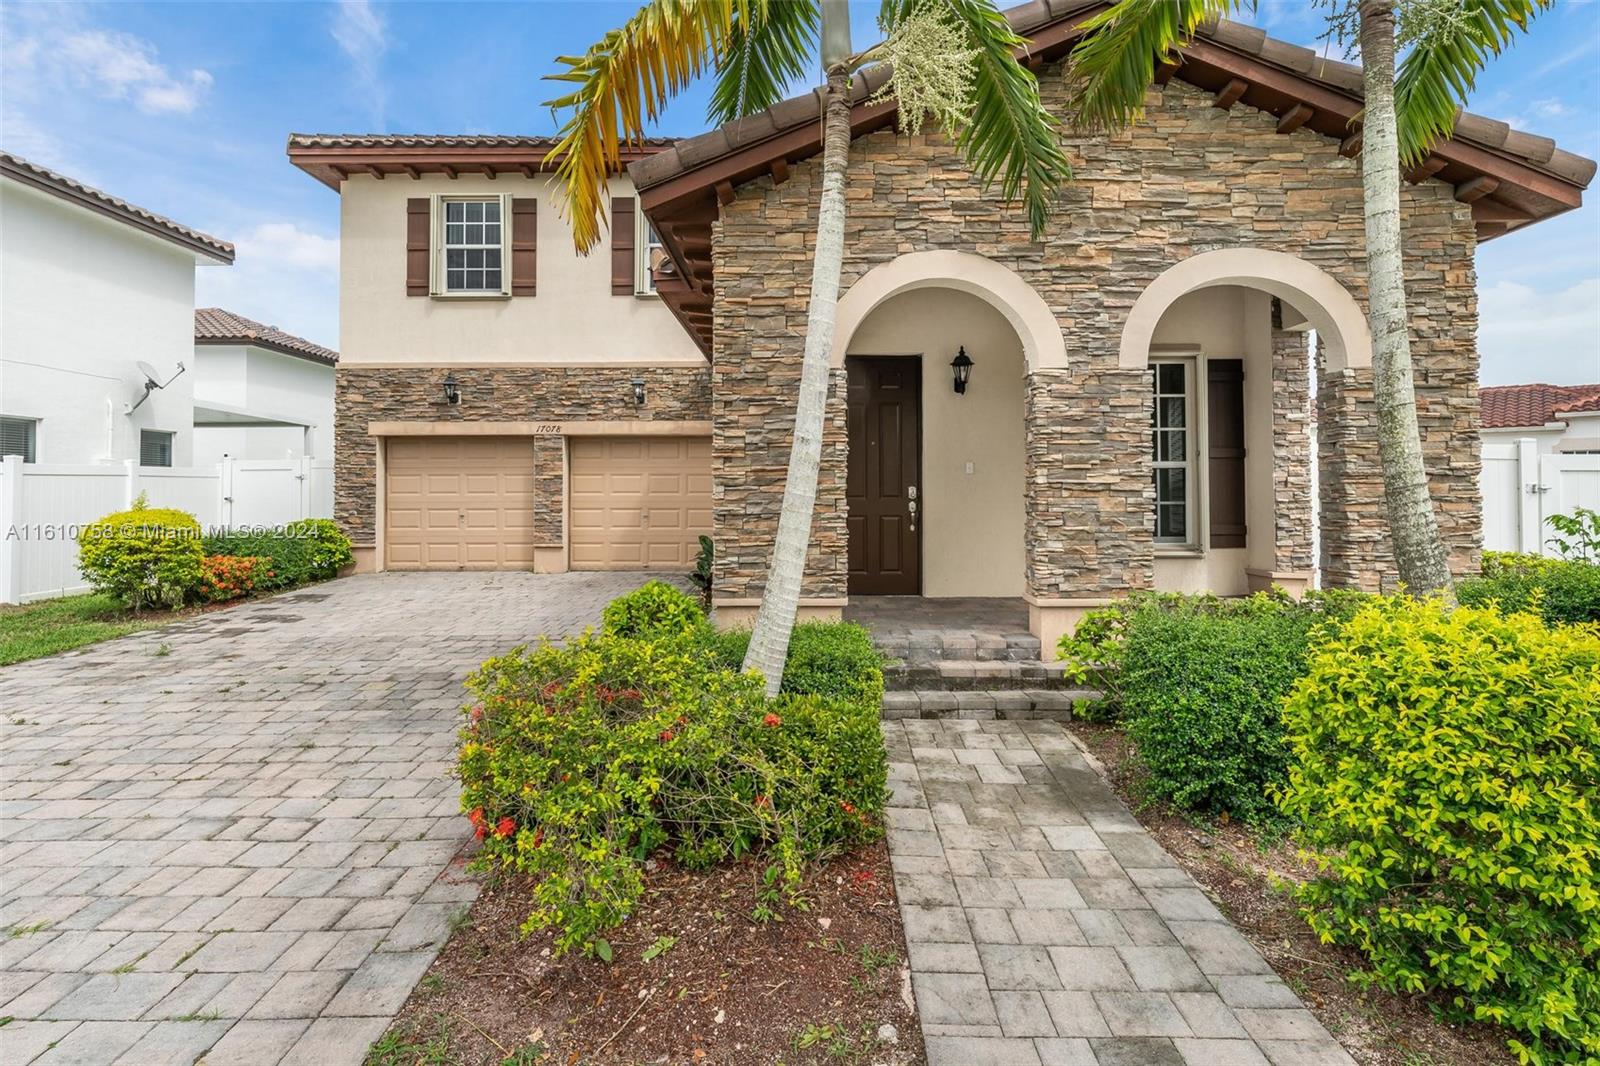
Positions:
{"x": 638, "y": 503}
{"x": 459, "y": 503}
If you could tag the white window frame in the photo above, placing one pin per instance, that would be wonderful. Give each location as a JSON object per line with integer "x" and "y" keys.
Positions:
{"x": 644, "y": 283}
{"x": 172, "y": 447}
{"x": 31, "y": 436}
{"x": 1194, "y": 496}
{"x": 437, "y": 276}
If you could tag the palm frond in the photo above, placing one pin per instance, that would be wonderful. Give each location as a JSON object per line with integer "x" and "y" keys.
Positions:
{"x": 770, "y": 44}
{"x": 1114, "y": 63}
{"x": 621, "y": 84}
{"x": 1438, "y": 74}
{"x": 1009, "y": 136}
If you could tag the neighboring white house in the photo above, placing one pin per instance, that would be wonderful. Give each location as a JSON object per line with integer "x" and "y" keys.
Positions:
{"x": 1541, "y": 457}
{"x": 259, "y": 393}
{"x": 92, "y": 287}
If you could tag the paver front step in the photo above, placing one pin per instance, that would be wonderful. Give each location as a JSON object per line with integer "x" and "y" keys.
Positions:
{"x": 971, "y": 647}
{"x": 968, "y": 675}
{"x": 1054, "y": 704}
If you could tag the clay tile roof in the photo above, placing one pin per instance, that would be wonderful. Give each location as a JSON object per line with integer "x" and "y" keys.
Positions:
{"x": 213, "y": 325}
{"x": 1517, "y": 406}
{"x": 433, "y": 140}
{"x": 331, "y": 158}
{"x": 76, "y": 192}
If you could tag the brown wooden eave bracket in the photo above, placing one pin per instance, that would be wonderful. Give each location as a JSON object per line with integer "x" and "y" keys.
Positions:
{"x": 1350, "y": 147}
{"x": 1164, "y": 73}
{"x": 1230, "y": 94}
{"x": 1295, "y": 117}
{"x": 780, "y": 170}
{"x": 1425, "y": 170}
{"x": 1475, "y": 189}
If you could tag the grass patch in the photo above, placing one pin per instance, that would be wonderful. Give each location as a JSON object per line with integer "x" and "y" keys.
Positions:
{"x": 35, "y": 630}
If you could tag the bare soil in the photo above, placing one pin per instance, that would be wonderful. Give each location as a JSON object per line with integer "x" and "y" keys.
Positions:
{"x": 1250, "y": 877}
{"x": 720, "y": 987}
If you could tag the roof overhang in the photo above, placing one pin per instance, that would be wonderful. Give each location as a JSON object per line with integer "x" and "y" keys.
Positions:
{"x": 333, "y": 159}
{"x": 210, "y": 413}
{"x": 1509, "y": 178}
{"x": 266, "y": 346}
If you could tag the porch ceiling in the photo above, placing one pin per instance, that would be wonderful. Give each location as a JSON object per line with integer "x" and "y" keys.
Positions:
{"x": 1510, "y": 178}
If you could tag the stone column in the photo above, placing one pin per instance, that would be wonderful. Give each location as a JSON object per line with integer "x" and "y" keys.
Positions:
{"x": 1291, "y": 459}
{"x": 549, "y": 504}
{"x": 1088, "y": 495}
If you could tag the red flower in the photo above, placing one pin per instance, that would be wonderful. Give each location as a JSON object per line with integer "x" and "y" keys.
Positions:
{"x": 477, "y": 834}
{"x": 848, "y": 809}
{"x": 505, "y": 828}
{"x": 538, "y": 837}
{"x": 477, "y": 713}
{"x": 476, "y": 817}
{"x": 771, "y": 721}
{"x": 666, "y": 735}
{"x": 762, "y": 801}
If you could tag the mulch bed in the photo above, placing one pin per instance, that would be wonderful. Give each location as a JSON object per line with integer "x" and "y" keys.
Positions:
{"x": 814, "y": 987}
{"x": 1239, "y": 868}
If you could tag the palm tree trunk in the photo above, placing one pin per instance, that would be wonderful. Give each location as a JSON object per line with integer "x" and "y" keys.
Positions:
{"x": 1418, "y": 550}
{"x": 769, "y": 641}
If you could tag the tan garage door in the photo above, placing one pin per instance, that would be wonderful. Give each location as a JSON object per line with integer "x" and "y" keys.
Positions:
{"x": 459, "y": 503}
{"x": 638, "y": 503}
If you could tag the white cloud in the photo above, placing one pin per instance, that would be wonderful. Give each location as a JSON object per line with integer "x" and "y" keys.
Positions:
{"x": 1527, "y": 334}
{"x": 282, "y": 275}
{"x": 121, "y": 66}
{"x": 364, "y": 37}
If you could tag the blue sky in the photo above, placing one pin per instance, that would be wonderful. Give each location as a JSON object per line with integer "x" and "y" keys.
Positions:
{"x": 184, "y": 109}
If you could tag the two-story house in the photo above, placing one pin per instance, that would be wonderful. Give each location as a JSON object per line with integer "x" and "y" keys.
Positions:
{"x": 1131, "y": 393}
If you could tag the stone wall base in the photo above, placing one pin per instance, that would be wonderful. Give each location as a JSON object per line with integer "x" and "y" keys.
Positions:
{"x": 741, "y": 614}
{"x": 366, "y": 558}
{"x": 1294, "y": 582}
{"x": 1050, "y": 620}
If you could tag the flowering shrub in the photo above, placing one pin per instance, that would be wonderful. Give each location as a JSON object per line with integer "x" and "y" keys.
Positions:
{"x": 301, "y": 552}
{"x": 145, "y": 556}
{"x": 577, "y": 762}
{"x": 227, "y": 577}
{"x": 1446, "y": 774}
{"x": 653, "y": 609}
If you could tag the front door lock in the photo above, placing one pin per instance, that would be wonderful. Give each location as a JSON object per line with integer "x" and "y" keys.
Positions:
{"x": 911, "y": 505}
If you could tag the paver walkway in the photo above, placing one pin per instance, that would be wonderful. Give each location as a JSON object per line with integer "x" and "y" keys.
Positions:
{"x": 231, "y": 840}
{"x": 1047, "y": 928}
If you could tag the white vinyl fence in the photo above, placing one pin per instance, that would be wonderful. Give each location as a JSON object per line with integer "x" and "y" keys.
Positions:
{"x": 42, "y": 507}
{"x": 1522, "y": 489}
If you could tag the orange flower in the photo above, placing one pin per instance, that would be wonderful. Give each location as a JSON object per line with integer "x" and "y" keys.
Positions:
{"x": 771, "y": 721}
{"x": 476, "y": 817}
{"x": 505, "y": 828}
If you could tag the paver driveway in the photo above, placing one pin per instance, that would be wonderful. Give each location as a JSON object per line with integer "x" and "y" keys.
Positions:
{"x": 231, "y": 840}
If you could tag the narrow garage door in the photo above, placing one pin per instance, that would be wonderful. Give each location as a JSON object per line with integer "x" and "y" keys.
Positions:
{"x": 638, "y": 503}
{"x": 459, "y": 503}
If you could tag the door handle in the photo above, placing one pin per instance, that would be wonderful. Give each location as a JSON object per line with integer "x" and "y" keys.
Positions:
{"x": 911, "y": 505}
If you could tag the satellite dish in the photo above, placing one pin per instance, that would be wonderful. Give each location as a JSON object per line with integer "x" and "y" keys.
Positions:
{"x": 151, "y": 377}
{"x": 152, "y": 381}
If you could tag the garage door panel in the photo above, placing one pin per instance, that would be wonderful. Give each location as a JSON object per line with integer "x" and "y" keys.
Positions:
{"x": 638, "y": 503}
{"x": 459, "y": 503}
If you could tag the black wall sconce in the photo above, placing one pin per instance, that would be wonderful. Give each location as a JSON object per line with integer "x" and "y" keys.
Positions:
{"x": 638, "y": 392}
{"x": 961, "y": 367}
{"x": 452, "y": 390}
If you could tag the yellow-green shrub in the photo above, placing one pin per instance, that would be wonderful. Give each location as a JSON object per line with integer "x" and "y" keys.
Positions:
{"x": 1445, "y": 770}
{"x": 145, "y": 557}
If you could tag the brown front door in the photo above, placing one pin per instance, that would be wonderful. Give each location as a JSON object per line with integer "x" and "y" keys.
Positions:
{"x": 885, "y": 476}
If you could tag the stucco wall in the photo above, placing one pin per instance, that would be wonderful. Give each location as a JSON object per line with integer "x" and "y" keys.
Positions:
{"x": 573, "y": 318}
{"x": 1189, "y": 178}
{"x": 85, "y": 298}
{"x": 270, "y": 384}
{"x": 972, "y": 521}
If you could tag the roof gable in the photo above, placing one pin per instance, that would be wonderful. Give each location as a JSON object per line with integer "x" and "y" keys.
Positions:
{"x": 213, "y": 325}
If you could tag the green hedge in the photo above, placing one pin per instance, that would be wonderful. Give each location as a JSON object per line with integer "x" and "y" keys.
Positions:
{"x": 654, "y": 609}
{"x": 1445, "y": 771}
{"x": 833, "y": 659}
{"x": 1559, "y": 591}
{"x": 578, "y": 762}
{"x": 144, "y": 557}
{"x": 301, "y": 552}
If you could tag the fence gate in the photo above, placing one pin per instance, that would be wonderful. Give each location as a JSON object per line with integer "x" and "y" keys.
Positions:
{"x": 1522, "y": 489}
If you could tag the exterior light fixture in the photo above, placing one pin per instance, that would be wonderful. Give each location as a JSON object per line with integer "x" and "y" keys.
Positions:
{"x": 638, "y": 392}
{"x": 452, "y": 390}
{"x": 961, "y": 366}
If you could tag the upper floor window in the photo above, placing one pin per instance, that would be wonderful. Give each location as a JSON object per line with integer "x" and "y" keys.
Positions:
{"x": 652, "y": 253}
{"x": 1173, "y": 450}
{"x": 19, "y": 436}
{"x": 473, "y": 246}
{"x": 155, "y": 448}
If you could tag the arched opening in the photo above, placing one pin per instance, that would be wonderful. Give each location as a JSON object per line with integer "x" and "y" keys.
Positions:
{"x": 1226, "y": 338}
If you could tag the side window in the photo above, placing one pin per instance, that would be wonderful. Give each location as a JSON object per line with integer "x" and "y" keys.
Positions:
{"x": 1173, "y": 451}
{"x": 155, "y": 448}
{"x": 20, "y": 436}
{"x": 652, "y": 253}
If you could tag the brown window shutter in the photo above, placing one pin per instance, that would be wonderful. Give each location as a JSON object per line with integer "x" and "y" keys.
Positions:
{"x": 417, "y": 233}
{"x": 622, "y": 231}
{"x": 1225, "y": 428}
{"x": 524, "y": 246}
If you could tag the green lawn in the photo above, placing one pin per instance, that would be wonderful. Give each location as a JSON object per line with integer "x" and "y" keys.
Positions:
{"x": 49, "y": 626}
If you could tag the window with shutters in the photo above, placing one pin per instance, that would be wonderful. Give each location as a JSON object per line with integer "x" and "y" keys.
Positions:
{"x": 155, "y": 448}
{"x": 473, "y": 246}
{"x": 1173, "y": 449}
{"x": 652, "y": 253}
{"x": 19, "y": 436}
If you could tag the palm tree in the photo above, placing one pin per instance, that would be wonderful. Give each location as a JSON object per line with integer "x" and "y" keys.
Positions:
{"x": 1401, "y": 119}
{"x": 757, "y": 47}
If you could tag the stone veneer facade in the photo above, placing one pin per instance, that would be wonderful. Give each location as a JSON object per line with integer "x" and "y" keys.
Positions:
{"x": 1189, "y": 178}
{"x": 364, "y": 395}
